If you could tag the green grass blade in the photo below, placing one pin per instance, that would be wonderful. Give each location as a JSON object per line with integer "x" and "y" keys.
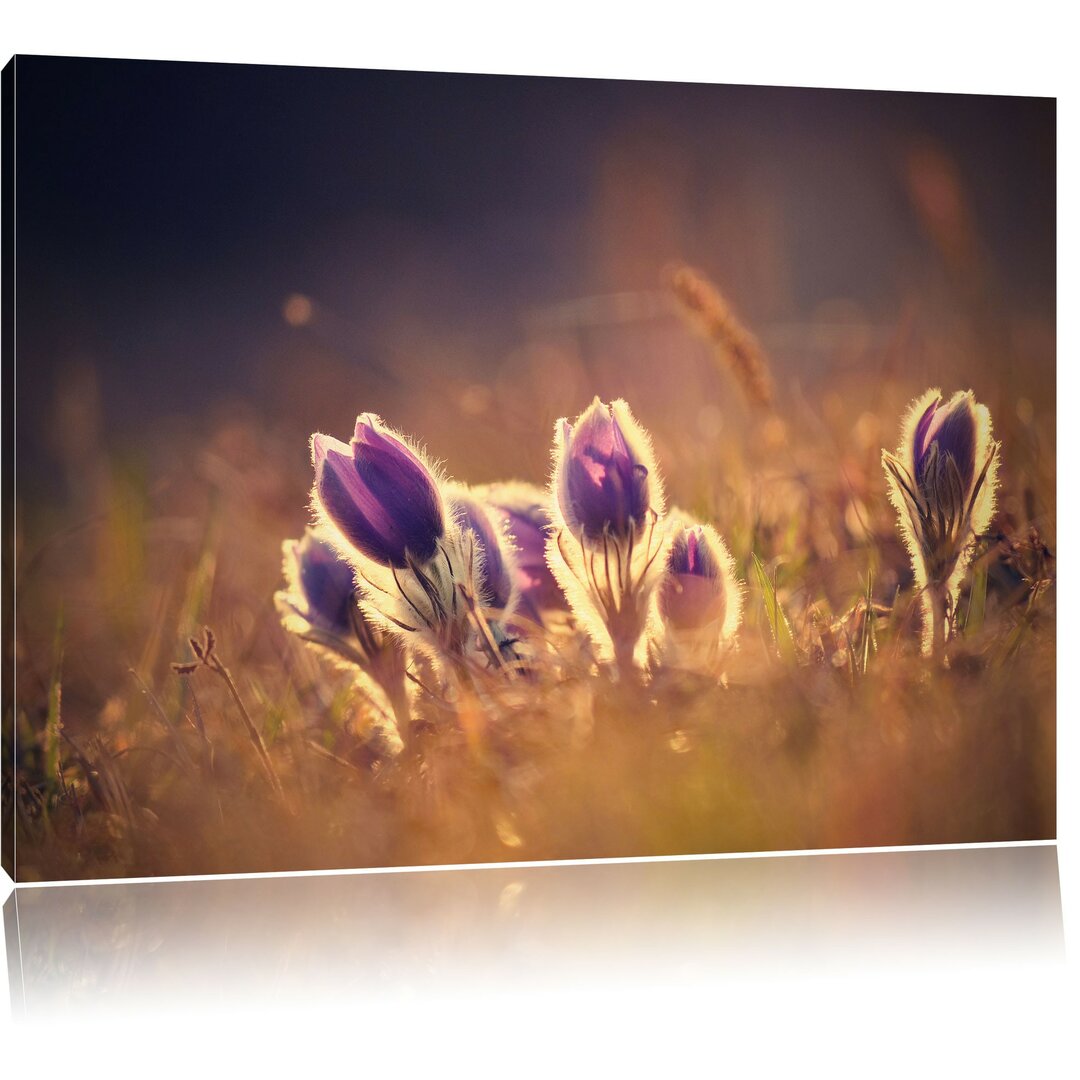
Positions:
{"x": 778, "y": 623}
{"x": 976, "y": 611}
{"x": 868, "y": 622}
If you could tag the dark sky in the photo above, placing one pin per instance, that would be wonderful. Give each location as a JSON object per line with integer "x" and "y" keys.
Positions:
{"x": 165, "y": 210}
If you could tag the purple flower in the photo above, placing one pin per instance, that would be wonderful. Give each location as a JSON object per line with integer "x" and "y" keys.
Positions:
{"x": 943, "y": 482}
{"x": 495, "y": 571}
{"x": 693, "y": 593}
{"x": 522, "y": 509}
{"x": 606, "y": 539}
{"x": 603, "y": 484}
{"x": 320, "y": 604}
{"x": 379, "y": 494}
{"x": 320, "y": 585}
{"x": 945, "y": 432}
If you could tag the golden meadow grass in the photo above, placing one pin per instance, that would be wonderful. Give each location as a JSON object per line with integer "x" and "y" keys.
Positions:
{"x": 826, "y": 726}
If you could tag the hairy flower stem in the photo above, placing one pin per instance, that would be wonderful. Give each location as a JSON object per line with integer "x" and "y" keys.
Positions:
{"x": 398, "y": 696}
{"x": 625, "y": 623}
{"x": 936, "y": 609}
{"x": 624, "y": 661}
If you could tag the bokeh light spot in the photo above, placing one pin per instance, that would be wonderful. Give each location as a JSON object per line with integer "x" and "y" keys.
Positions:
{"x": 297, "y": 310}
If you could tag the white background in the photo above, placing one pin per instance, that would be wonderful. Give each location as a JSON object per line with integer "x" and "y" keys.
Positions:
{"x": 880, "y": 1020}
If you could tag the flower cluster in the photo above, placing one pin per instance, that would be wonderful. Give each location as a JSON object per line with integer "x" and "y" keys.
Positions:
{"x": 405, "y": 569}
{"x": 406, "y": 573}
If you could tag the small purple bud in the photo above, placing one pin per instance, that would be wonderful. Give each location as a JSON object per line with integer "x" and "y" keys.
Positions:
{"x": 605, "y": 485}
{"x": 693, "y": 593}
{"x": 379, "y": 494}
{"x": 322, "y": 588}
{"x": 943, "y": 432}
{"x": 496, "y": 581}
{"x": 523, "y": 511}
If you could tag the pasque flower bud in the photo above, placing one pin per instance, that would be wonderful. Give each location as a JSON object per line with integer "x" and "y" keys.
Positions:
{"x": 604, "y": 548}
{"x": 320, "y": 593}
{"x": 942, "y": 482}
{"x": 498, "y": 568}
{"x": 417, "y": 567}
{"x": 524, "y": 514}
{"x": 380, "y": 495}
{"x": 320, "y": 604}
{"x": 698, "y": 580}
{"x": 699, "y": 599}
{"x": 603, "y": 472}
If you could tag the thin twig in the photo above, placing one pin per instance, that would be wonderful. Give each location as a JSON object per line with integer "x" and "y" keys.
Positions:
{"x": 207, "y": 657}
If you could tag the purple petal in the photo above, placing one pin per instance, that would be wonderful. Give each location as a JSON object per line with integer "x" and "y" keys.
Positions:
{"x": 922, "y": 431}
{"x": 952, "y": 428}
{"x": 528, "y": 523}
{"x": 326, "y": 582}
{"x": 403, "y": 490}
{"x": 379, "y": 494}
{"x": 690, "y": 554}
{"x": 496, "y": 579}
{"x": 529, "y": 533}
{"x": 368, "y": 434}
{"x": 349, "y": 504}
{"x": 605, "y": 488}
{"x": 322, "y": 444}
{"x": 956, "y": 436}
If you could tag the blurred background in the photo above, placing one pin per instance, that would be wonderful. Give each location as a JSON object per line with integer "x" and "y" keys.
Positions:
{"x": 304, "y": 244}
{"x": 217, "y": 260}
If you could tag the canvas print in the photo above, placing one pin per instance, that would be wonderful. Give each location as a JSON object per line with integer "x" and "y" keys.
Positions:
{"x": 414, "y": 469}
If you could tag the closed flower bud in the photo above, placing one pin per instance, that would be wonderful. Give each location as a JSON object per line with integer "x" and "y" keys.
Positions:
{"x": 943, "y": 450}
{"x": 694, "y": 591}
{"x": 523, "y": 511}
{"x": 320, "y": 592}
{"x": 378, "y": 493}
{"x": 604, "y": 548}
{"x": 942, "y": 481}
{"x": 604, "y": 472}
{"x": 497, "y": 573}
{"x": 320, "y": 604}
{"x": 699, "y": 600}
{"x": 417, "y": 568}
